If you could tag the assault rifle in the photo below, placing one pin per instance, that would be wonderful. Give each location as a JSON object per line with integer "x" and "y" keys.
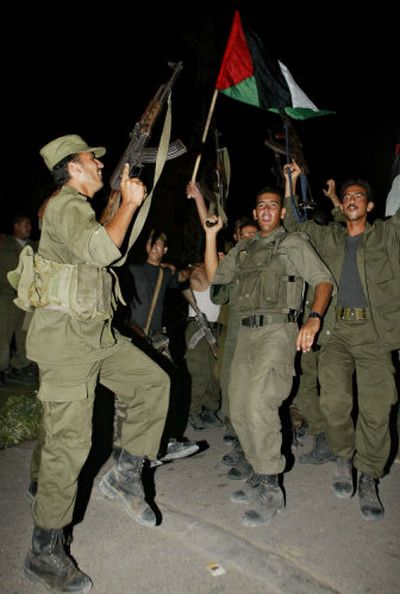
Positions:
{"x": 204, "y": 329}
{"x": 136, "y": 153}
{"x": 221, "y": 174}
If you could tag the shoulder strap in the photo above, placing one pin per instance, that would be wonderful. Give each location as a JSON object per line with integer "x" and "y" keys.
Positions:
{"x": 154, "y": 300}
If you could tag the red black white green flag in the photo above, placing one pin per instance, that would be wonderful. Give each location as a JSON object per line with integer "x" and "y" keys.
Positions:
{"x": 249, "y": 73}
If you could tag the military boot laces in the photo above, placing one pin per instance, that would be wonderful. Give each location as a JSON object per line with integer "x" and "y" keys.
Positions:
{"x": 248, "y": 493}
{"x": 342, "y": 483}
{"x": 48, "y": 564}
{"x": 268, "y": 502}
{"x": 370, "y": 505}
{"x": 320, "y": 453}
{"x": 123, "y": 482}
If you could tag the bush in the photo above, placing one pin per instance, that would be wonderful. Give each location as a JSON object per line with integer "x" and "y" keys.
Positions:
{"x": 20, "y": 416}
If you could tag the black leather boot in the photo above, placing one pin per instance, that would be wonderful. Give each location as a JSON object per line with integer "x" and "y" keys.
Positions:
{"x": 342, "y": 483}
{"x": 370, "y": 506}
{"x": 235, "y": 456}
{"x": 241, "y": 471}
{"x": 268, "y": 502}
{"x": 47, "y": 563}
{"x": 248, "y": 493}
{"x": 320, "y": 453}
{"x": 124, "y": 482}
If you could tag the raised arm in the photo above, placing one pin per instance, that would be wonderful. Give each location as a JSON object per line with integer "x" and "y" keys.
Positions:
{"x": 330, "y": 192}
{"x": 211, "y": 259}
{"x": 193, "y": 192}
{"x": 291, "y": 173}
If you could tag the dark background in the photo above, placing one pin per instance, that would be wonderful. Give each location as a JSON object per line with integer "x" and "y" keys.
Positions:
{"x": 89, "y": 71}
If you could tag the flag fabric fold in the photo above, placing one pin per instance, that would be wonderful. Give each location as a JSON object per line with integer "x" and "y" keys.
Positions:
{"x": 249, "y": 73}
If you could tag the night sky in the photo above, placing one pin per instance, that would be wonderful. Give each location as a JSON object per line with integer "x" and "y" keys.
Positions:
{"x": 92, "y": 73}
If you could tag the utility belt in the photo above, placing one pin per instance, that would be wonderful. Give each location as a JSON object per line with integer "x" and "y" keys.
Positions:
{"x": 258, "y": 320}
{"x": 352, "y": 313}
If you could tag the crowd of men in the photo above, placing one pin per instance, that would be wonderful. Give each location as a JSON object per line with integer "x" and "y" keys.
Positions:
{"x": 253, "y": 302}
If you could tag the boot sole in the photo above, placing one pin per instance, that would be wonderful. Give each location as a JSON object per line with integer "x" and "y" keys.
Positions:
{"x": 182, "y": 454}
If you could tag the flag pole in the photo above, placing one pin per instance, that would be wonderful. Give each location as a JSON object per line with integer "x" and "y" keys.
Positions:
{"x": 204, "y": 136}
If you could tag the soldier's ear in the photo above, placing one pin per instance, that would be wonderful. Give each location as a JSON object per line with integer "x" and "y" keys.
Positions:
{"x": 165, "y": 250}
{"x": 254, "y": 214}
{"x": 283, "y": 213}
{"x": 370, "y": 206}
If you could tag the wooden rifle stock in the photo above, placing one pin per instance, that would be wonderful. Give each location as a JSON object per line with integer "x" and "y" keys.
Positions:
{"x": 140, "y": 136}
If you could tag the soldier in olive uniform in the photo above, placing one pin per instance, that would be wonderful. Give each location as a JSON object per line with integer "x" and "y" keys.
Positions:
{"x": 361, "y": 329}
{"x": 72, "y": 339}
{"x": 266, "y": 275}
{"x": 11, "y": 317}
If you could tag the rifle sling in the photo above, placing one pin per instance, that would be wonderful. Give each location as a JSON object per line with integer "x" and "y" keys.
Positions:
{"x": 160, "y": 162}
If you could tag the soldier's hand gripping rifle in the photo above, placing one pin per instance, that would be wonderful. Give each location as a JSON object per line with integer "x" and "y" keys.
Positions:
{"x": 204, "y": 329}
{"x": 136, "y": 153}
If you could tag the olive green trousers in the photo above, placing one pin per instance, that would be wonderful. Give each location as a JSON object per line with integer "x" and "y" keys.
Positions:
{"x": 353, "y": 350}
{"x": 67, "y": 394}
{"x": 261, "y": 379}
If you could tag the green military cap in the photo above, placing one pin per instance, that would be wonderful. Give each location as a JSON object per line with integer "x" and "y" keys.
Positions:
{"x": 71, "y": 144}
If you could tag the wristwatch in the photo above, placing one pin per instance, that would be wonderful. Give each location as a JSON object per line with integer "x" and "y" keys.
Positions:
{"x": 314, "y": 314}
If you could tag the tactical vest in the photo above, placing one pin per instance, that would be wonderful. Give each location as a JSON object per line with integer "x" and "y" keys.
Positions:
{"x": 82, "y": 290}
{"x": 264, "y": 284}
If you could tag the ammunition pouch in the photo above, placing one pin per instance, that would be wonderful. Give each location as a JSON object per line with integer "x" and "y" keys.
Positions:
{"x": 265, "y": 286}
{"x": 83, "y": 291}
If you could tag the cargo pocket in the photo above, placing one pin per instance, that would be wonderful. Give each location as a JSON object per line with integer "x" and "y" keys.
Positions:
{"x": 62, "y": 391}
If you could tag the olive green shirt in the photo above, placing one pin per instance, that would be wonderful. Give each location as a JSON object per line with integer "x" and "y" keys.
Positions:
{"x": 71, "y": 235}
{"x": 378, "y": 261}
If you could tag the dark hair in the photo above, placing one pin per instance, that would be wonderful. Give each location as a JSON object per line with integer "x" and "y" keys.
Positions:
{"x": 60, "y": 171}
{"x": 19, "y": 218}
{"x": 157, "y": 235}
{"x": 244, "y": 222}
{"x": 357, "y": 182}
{"x": 270, "y": 190}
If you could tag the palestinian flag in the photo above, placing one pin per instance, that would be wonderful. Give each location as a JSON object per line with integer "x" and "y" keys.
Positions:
{"x": 249, "y": 73}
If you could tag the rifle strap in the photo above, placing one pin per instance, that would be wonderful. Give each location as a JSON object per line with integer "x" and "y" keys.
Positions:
{"x": 154, "y": 301}
{"x": 160, "y": 162}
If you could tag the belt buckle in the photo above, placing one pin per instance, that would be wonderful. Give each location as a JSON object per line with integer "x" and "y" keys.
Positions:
{"x": 341, "y": 313}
